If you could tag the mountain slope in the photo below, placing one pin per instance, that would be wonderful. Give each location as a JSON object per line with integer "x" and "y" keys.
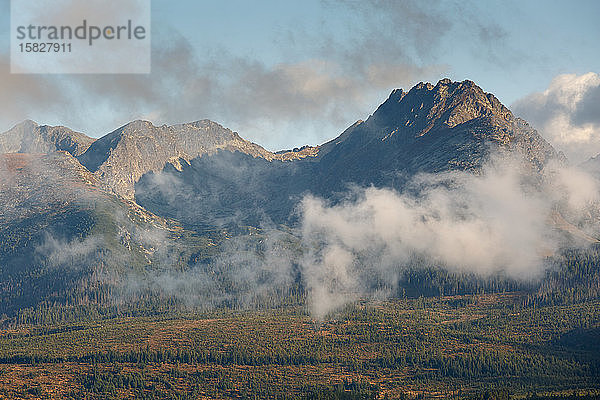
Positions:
{"x": 449, "y": 126}
{"x": 29, "y": 137}
{"x": 120, "y": 158}
{"x": 63, "y": 240}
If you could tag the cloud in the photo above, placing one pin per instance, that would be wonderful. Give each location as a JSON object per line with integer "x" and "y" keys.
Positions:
{"x": 22, "y": 96}
{"x": 250, "y": 271}
{"x": 493, "y": 223}
{"x": 413, "y": 34}
{"x": 76, "y": 254}
{"x": 588, "y": 111}
{"x": 381, "y": 36}
{"x": 267, "y": 101}
{"x": 566, "y": 114}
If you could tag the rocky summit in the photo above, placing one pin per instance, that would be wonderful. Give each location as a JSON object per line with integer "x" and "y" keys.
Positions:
{"x": 29, "y": 137}
{"x": 452, "y": 125}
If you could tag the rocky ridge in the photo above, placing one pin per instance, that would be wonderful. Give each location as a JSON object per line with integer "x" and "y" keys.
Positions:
{"x": 29, "y": 137}
{"x": 122, "y": 157}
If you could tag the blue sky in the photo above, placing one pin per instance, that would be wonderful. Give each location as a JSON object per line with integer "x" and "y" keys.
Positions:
{"x": 530, "y": 41}
{"x": 287, "y": 73}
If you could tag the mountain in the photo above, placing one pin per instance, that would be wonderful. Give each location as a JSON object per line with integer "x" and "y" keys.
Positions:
{"x": 65, "y": 241}
{"x": 81, "y": 218}
{"x": 449, "y": 126}
{"x": 122, "y": 157}
{"x": 29, "y": 137}
{"x": 452, "y": 125}
{"x": 171, "y": 262}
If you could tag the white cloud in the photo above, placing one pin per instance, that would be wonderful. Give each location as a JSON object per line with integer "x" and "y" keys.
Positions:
{"x": 564, "y": 115}
{"x": 491, "y": 223}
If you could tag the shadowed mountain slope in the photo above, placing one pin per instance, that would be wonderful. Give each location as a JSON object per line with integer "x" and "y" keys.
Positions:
{"x": 449, "y": 126}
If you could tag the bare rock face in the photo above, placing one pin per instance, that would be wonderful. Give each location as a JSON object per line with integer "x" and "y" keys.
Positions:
{"x": 447, "y": 104}
{"x": 122, "y": 157}
{"x": 29, "y": 137}
{"x": 431, "y": 128}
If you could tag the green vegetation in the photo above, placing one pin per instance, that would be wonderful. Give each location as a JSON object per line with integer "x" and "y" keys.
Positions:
{"x": 444, "y": 335}
{"x": 452, "y": 346}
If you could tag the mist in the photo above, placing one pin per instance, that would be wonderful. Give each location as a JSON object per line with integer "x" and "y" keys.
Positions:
{"x": 56, "y": 252}
{"x": 500, "y": 221}
{"x": 566, "y": 113}
{"x": 497, "y": 222}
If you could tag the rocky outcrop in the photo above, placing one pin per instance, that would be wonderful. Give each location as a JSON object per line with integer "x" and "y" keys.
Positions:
{"x": 431, "y": 128}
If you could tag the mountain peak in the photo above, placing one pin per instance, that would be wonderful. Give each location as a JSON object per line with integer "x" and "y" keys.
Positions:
{"x": 147, "y": 127}
{"x": 26, "y": 123}
{"x": 447, "y": 104}
{"x": 432, "y": 128}
{"x": 201, "y": 123}
{"x": 124, "y": 155}
{"x": 133, "y": 126}
{"x": 29, "y": 137}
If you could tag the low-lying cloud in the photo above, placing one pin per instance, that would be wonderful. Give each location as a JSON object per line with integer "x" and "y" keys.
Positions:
{"x": 493, "y": 223}
{"x": 248, "y": 272}
{"x": 499, "y": 222}
{"x": 75, "y": 254}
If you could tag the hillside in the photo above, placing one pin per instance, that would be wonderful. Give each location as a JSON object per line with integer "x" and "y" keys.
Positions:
{"x": 63, "y": 240}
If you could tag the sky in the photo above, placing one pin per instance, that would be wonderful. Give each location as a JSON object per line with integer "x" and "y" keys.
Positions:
{"x": 288, "y": 73}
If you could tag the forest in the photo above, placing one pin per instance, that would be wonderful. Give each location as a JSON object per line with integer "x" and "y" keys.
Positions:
{"x": 443, "y": 335}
